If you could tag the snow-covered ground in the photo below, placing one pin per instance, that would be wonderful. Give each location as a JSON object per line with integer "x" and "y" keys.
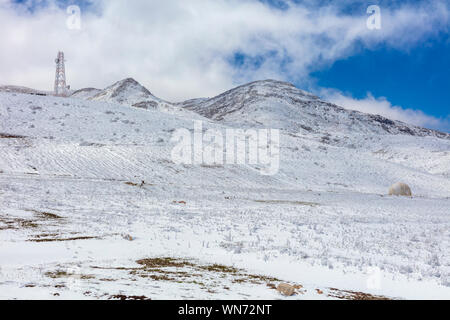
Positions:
{"x": 88, "y": 192}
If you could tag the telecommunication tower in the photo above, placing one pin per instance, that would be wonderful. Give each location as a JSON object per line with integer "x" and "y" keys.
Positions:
{"x": 61, "y": 89}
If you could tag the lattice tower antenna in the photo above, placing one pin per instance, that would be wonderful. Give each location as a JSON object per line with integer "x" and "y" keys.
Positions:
{"x": 61, "y": 89}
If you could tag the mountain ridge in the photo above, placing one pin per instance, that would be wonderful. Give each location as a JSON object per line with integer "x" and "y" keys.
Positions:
{"x": 128, "y": 91}
{"x": 270, "y": 103}
{"x": 278, "y": 103}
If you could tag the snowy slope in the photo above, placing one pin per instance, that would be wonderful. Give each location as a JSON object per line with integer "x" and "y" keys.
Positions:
{"x": 129, "y": 92}
{"x": 19, "y": 89}
{"x": 85, "y": 93}
{"x": 281, "y": 105}
{"x": 104, "y": 167}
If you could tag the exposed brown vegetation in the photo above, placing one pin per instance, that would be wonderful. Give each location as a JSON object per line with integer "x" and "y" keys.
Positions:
{"x": 141, "y": 185}
{"x": 123, "y": 297}
{"x": 182, "y": 271}
{"x": 64, "y": 274}
{"x": 209, "y": 277}
{"x": 353, "y": 295}
{"x": 11, "y": 136}
{"x": 14, "y": 223}
{"x": 62, "y": 239}
{"x": 163, "y": 262}
{"x": 46, "y": 215}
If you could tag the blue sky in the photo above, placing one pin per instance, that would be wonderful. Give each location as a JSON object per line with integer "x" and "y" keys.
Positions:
{"x": 34, "y": 5}
{"x": 418, "y": 78}
{"x": 183, "y": 49}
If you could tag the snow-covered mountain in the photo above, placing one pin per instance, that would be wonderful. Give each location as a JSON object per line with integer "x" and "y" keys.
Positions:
{"x": 105, "y": 169}
{"x": 129, "y": 92}
{"x": 281, "y": 105}
{"x": 85, "y": 93}
{"x": 20, "y": 89}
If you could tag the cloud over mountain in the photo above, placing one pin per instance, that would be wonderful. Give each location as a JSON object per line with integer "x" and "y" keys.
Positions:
{"x": 182, "y": 49}
{"x": 383, "y": 107}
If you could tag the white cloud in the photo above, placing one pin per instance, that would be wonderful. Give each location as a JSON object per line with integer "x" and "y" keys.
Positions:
{"x": 182, "y": 49}
{"x": 383, "y": 107}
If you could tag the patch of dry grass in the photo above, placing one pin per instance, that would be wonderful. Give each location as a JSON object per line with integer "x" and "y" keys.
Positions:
{"x": 61, "y": 239}
{"x": 46, "y": 215}
{"x": 163, "y": 263}
{"x": 125, "y": 298}
{"x": 11, "y": 136}
{"x": 182, "y": 271}
{"x": 14, "y": 223}
{"x": 64, "y": 274}
{"x": 353, "y": 295}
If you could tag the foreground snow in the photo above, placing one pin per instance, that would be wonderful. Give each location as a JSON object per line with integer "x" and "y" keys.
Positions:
{"x": 88, "y": 190}
{"x": 318, "y": 240}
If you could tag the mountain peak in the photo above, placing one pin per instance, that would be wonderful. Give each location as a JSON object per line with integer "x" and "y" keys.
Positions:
{"x": 271, "y": 88}
{"x": 244, "y": 100}
{"x": 128, "y": 84}
{"x": 271, "y": 82}
{"x": 128, "y": 92}
{"x": 278, "y": 104}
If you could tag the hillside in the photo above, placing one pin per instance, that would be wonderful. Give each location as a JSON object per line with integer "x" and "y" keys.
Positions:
{"x": 102, "y": 165}
{"x": 25, "y": 90}
{"x": 281, "y": 105}
{"x": 129, "y": 92}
